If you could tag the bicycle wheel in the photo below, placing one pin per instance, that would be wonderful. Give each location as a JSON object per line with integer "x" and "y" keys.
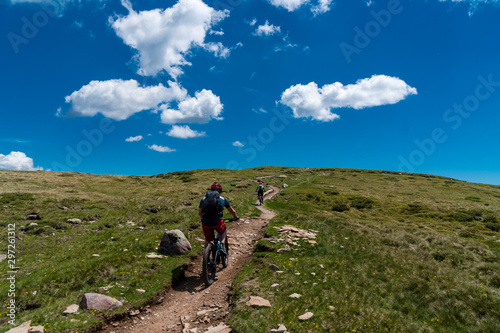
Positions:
{"x": 209, "y": 265}
{"x": 225, "y": 258}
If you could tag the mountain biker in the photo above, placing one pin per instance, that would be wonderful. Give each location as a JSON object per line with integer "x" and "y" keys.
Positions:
{"x": 211, "y": 217}
{"x": 260, "y": 189}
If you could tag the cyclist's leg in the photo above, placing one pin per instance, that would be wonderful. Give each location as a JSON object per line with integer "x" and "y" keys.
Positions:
{"x": 222, "y": 230}
{"x": 209, "y": 234}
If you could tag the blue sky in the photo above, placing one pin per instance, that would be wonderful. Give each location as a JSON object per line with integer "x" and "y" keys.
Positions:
{"x": 147, "y": 87}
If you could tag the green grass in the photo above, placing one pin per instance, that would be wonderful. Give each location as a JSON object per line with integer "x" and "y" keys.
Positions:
{"x": 56, "y": 259}
{"x": 400, "y": 253}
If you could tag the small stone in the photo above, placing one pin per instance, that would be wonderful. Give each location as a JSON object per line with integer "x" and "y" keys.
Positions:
{"x": 130, "y": 223}
{"x": 134, "y": 312}
{"x": 95, "y": 255}
{"x": 280, "y": 272}
{"x": 274, "y": 267}
{"x": 321, "y": 266}
{"x": 74, "y": 221}
{"x": 3, "y": 257}
{"x": 275, "y": 285}
{"x": 283, "y": 250}
{"x": 281, "y": 329}
{"x": 140, "y": 291}
{"x": 36, "y": 329}
{"x": 313, "y": 274}
{"x": 72, "y": 309}
{"x": 33, "y": 224}
{"x": 295, "y": 295}
{"x": 125, "y": 250}
{"x": 306, "y": 316}
{"x": 93, "y": 301}
{"x": 153, "y": 255}
{"x": 331, "y": 307}
{"x": 297, "y": 274}
{"x": 258, "y": 302}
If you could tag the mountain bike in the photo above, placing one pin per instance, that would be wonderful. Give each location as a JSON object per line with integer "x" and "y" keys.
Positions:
{"x": 212, "y": 257}
{"x": 261, "y": 198}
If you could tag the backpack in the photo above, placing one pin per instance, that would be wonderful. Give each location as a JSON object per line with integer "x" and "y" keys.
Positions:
{"x": 211, "y": 207}
{"x": 261, "y": 188}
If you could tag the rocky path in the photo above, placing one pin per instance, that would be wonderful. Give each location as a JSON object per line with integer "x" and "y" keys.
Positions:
{"x": 189, "y": 307}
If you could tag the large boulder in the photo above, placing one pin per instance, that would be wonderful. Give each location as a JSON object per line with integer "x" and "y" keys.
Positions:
{"x": 174, "y": 242}
{"x": 93, "y": 301}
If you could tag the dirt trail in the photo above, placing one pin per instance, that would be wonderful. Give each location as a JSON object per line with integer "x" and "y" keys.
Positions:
{"x": 189, "y": 307}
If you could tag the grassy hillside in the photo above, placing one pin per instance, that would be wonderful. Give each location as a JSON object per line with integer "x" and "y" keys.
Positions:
{"x": 56, "y": 258}
{"x": 399, "y": 253}
{"x": 394, "y": 253}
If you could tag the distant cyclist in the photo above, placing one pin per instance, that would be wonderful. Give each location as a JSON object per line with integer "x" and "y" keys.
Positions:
{"x": 211, "y": 210}
{"x": 260, "y": 192}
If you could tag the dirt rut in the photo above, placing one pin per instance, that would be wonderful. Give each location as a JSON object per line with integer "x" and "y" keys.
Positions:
{"x": 189, "y": 307}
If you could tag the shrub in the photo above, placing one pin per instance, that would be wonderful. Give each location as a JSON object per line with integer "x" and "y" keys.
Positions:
{"x": 438, "y": 256}
{"x": 493, "y": 227}
{"x": 340, "y": 205}
{"x": 361, "y": 202}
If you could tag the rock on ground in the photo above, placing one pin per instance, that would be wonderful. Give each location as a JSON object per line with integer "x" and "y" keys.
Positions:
{"x": 174, "y": 242}
{"x": 306, "y": 316}
{"x": 23, "y": 328}
{"x": 36, "y": 329}
{"x": 93, "y": 301}
{"x": 222, "y": 328}
{"x": 73, "y": 308}
{"x": 259, "y": 302}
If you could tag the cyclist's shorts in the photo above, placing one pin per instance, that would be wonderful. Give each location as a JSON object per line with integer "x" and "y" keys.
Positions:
{"x": 220, "y": 227}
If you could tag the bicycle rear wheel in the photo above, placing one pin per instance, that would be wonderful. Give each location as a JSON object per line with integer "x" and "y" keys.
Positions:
{"x": 209, "y": 266}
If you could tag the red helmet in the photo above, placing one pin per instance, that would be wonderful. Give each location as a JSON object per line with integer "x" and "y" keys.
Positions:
{"x": 260, "y": 182}
{"x": 216, "y": 187}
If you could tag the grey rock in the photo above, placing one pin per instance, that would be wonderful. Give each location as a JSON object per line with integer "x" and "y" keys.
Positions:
{"x": 295, "y": 295}
{"x": 33, "y": 224}
{"x": 274, "y": 267}
{"x": 93, "y": 301}
{"x": 174, "y": 242}
{"x": 33, "y": 217}
{"x": 74, "y": 221}
{"x": 36, "y": 329}
{"x": 3, "y": 257}
{"x": 281, "y": 329}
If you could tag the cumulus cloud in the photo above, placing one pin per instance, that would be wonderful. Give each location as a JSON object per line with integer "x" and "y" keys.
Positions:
{"x": 322, "y": 6}
{"x": 184, "y": 132}
{"x": 17, "y": 160}
{"x": 314, "y": 102}
{"x": 120, "y": 99}
{"x": 201, "y": 108}
{"x": 267, "y": 29}
{"x": 134, "y": 138}
{"x": 238, "y": 144}
{"x": 289, "y": 5}
{"x": 161, "y": 149}
{"x": 164, "y": 37}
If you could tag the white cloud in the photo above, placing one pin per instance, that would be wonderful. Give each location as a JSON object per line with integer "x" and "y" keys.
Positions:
{"x": 161, "y": 149}
{"x": 267, "y": 29}
{"x": 134, "y": 138}
{"x": 314, "y": 102}
{"x": 322, "y": 7}
{"x": 199, "y": 109}
{"x": 238, "y": 144}
{"x": 290, "y": 5}
{"x": 184, "y": 132}
{"x": 164, "y": 37}
{"x": 215, "y": 32}
{"x": 253, "y": 22}
{"x": 120, "y": 99}
{"x": 17, "y": 160}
